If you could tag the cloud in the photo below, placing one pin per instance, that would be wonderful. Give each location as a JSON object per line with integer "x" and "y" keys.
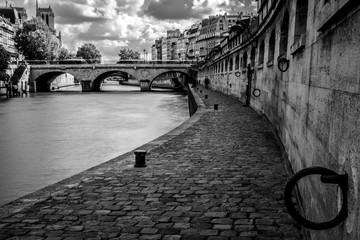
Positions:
{"x": 170, "y": 10}
{"x": 114, "y": 24}
{"x": 70, "y": 13}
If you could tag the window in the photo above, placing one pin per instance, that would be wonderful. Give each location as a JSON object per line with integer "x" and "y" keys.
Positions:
{"x": 300, "y": 19}
{"x": 244, "y": 60}
{"x": 231, "y": 64}
{"x": 252, "y": 57}
{"x": 284, "y": 35}
{"x": 237, "y": 62}
{"x": 271, "y": 46}
{"x": 261, "y": 52}
{"x": 226, "y": 65}
{"x": 222, "y": 66}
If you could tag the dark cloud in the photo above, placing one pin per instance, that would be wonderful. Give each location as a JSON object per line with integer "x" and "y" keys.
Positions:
{"x": 173, "y": 10}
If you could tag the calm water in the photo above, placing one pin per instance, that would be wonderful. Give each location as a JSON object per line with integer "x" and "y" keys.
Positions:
{"x": 47, "y": 137}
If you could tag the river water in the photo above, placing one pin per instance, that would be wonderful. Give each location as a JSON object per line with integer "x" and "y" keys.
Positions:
{"x": 47, "y": 137}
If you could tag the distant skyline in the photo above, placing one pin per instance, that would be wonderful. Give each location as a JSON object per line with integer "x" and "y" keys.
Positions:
{"x": 115, "y": 24}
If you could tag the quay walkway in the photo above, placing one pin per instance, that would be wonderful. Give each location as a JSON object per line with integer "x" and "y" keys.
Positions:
{"x": 221, "y": 175}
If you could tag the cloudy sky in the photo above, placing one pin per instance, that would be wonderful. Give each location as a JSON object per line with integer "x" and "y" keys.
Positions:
{"x": 115, "y": 24}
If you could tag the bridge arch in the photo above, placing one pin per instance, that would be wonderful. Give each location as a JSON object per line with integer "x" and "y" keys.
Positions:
{"x": 44, "y": 81}
{"x": 96, "y": 83}
{"x": 178, "y": 83}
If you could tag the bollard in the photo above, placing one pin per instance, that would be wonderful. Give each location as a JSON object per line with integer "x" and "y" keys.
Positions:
{"x": 200, "y": 91}
{"x": 140, "y": 158}
{"x": 206, "y": 96}
{"x": 216, "y": 106}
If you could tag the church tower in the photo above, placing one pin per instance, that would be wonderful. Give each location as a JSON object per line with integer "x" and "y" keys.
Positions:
{"x": 46, "y": 14}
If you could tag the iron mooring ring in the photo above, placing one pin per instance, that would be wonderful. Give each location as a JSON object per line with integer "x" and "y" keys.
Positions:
{"x": 283, "y": 64}
{"x": 256, "y": 92}
{"x": 327, "y": 176}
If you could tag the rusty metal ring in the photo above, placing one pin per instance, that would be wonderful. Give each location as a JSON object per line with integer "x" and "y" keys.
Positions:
{"x": 281, "y": 62}
{"x": 256, "y": 92}
{"x": 327, "y": 176}
{"x": 238, "y": 74}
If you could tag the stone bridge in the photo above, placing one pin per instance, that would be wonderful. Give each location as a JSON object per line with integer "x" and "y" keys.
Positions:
{"x": 91, "y": 75}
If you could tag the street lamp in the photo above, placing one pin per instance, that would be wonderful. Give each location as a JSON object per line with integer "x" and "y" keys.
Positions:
{"x": 144, "y": 54}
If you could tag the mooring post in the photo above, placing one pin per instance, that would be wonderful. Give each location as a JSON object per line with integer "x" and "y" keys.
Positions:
{"x": 140, "y": 158}
{"x": 216, "y": 106}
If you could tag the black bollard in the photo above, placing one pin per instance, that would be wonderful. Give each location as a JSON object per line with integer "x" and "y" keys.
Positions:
{"x": 200, "y": 91}
{"x": 216, "y": 106}
{"x": 140, "y": 158}
{"x": 206, "y": 96}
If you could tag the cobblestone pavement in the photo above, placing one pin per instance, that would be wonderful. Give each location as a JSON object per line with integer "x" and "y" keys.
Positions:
{"x": 222, "y": 178}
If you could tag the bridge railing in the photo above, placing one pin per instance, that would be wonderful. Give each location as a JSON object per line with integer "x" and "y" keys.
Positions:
{"x": 107, "y": 61}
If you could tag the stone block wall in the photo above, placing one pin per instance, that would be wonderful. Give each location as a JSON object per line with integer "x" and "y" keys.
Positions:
{"x": 314, "y": 105}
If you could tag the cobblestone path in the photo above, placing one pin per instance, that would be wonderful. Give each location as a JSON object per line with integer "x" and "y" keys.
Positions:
{"x": 222, "y": 178}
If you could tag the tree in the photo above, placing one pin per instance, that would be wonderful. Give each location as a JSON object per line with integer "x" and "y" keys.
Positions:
{"x": 65, "y": 54}
{"x": 125, "y": 54}
{"x": 4, "y": 58}
{"x": 89, "y": 52}
{"x": 36, "y": 41}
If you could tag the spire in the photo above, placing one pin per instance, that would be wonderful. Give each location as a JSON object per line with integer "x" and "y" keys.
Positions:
{"x": 37, "y": 8}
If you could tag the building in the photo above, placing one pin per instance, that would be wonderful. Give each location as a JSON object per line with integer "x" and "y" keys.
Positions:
{"x": 48, "y": 17}
{"x": 171, "y": 40}
{"x": 192, "y": 34}
{"x": 153, "y": 52}
{"x": 164, "y": 49}
{"x": 297, "y": 63}
{"x": 46, "y": 14}
{"x": 9, "y": 23}
{"x": 156, "y": 50}
{"x": 22, "y": 15}
{"x": 213, "y": 30}
{"x": 181, "y": 46}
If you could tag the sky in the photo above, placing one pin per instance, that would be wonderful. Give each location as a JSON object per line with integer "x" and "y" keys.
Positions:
{"x": 112, "y": 25}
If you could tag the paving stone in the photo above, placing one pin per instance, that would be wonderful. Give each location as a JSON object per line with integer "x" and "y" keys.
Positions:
{"x": 215, "y": 214}
{"x": 128, "y": 236}
{"x": 222, "y": 227}
{"x": 225, "y": 221}
{"x": 172, "y": 237}
{"x": 228, "y": 233}
{"x": 209, "y": 232}
{"x": 151, "y": 237}
{"x": 182, "y": 225}
{"x": 149, "y": 230}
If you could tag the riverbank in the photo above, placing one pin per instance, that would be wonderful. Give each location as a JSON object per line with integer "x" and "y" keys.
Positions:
{"x": 218, "y": 175}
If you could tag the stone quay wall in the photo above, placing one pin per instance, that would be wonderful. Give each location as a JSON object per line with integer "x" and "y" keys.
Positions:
{"x": 315, "y": 104}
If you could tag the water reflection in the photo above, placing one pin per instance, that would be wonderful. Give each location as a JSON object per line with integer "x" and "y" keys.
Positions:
{"x": 47, "y": 137}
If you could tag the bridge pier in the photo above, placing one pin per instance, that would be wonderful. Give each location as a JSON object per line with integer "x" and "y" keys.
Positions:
{"x": 86, "y": 86}
{"x": 145, "y": 85}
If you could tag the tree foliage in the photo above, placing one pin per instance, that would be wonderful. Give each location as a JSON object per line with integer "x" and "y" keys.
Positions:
{"x": 4, "y": 58}
{"x": 65, "y": 54}
{"x": 89, "y": 52}
{"x": 126, "y": 54}
{"x": 36, "y": 41}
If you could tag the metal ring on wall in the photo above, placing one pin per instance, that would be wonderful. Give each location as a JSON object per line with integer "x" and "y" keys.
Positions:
{"x": 256, "y": 92}
{"x": 283, "y": 64}
{"x": 327, "y": 176}
{"x": 238, "y": 74}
